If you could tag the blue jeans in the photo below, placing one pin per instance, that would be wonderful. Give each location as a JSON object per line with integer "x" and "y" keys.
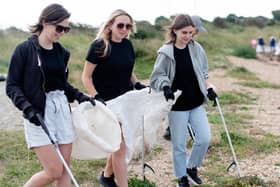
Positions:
{"x": 178, "y": 121}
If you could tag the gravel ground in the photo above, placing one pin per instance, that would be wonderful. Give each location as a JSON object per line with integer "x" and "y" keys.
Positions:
{"x": 10, "y": 116}
{"x": 266, "y": 117}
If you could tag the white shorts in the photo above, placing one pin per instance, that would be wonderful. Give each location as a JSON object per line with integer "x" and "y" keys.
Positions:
{"x": 58, "y": 120}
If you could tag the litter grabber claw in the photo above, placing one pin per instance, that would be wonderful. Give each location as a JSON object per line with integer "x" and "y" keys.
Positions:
{"x": 144, "y": 165}
{"x": 235, "y": 162}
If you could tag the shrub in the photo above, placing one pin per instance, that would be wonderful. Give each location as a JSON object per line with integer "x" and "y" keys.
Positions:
{"x": 248, "y": 181}
{"x": 140, "y": 183}
{"x": 245, "y": 52}
{"x": 220, "y": 22}
{"x": 145, "y": 30}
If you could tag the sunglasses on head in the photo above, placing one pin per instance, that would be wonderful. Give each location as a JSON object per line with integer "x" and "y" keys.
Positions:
{"x": 128, "y": 26}
{"x": 60, "y": 28}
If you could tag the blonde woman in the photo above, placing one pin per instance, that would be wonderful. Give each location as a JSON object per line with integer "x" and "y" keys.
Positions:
{"x": 108, "y": 73}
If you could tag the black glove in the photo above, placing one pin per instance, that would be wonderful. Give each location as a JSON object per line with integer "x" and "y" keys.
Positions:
{"x": 30, "y": 114}
{"x": 84, "y": 98}
{"x": 168, "y": 93}
{"x": 139, "y": 86}
{"x": 99, "y": 98}
{"x": 212, "y": 95}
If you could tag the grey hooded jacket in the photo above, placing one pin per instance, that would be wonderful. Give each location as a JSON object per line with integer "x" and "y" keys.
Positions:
{"x": 164, "y": 68}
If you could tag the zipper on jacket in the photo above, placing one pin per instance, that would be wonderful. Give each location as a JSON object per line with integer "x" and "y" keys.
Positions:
{"x": 42, "y": 71}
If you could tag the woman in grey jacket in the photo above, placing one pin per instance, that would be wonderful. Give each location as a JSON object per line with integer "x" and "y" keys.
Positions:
{"x": 182, "y": 64}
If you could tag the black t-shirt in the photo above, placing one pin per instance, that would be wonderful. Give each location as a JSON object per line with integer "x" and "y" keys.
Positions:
{"x": 54, "y": 69}
{"x": 185, "y": 80}
{"x": 112, "y": 74}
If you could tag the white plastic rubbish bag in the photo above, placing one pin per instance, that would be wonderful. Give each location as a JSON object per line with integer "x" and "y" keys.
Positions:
{"x": 97, "y": 129}
{"x": 130, "y": 109}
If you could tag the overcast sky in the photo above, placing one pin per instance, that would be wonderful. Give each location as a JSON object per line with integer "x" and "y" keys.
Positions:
{"x": 21, "y": 13}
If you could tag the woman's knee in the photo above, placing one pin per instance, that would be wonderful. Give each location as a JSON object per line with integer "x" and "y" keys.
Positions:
{"x": 204, "y": 141}
{"x": 121, "y": 151}
{"x": 55, "y": 171}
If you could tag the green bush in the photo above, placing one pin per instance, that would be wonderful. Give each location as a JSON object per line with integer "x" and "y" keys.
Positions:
{"x": 235, "y": 138}
{"x": 220, "y": 22}
{"x": 245, "y": 51}
{"x": 135, "y": 182}
{"x": 248, "y": 181}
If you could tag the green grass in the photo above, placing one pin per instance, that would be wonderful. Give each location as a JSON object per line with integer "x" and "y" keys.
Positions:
{"x": 236, "y": 98}
{"x": 277, "y": 164}
{"x": 260, "y": 84}
{"x": 17, "y": 164}
{"x": 243, "y": 74}
{"x": 143, "y": 68}
{"x": 245, "y": 51}
{"x": 8, "y": 40}
{"x": 248, "y": 181}
{"x": 135, "y": 182}
{"x": 249, "y": 79}
{"x": 244, "y": 144}
{"x": 217, "y": 43}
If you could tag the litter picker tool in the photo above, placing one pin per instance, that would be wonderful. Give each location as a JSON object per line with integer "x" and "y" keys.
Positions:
{"x": 234, "y": 162}
{"x": 190, "y": 131}
{"x": 144, "y": 165}
{"x": 43, "y": 125}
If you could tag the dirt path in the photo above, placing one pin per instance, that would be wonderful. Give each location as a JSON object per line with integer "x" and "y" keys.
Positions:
{"x": 266, "y": 114}
{"x": 10, "y": 116}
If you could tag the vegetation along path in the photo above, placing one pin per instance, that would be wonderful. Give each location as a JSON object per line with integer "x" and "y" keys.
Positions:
{"x": 264, "y": 120}
{"x": 264, "y": 112}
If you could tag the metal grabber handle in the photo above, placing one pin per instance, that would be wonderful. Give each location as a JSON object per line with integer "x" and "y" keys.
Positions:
{"x": 234, "y": 162}
{"x": 43, "y": 125}
{"x": 144, "y": 165}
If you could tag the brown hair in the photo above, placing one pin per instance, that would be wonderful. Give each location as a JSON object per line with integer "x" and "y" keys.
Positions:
{"x": 105, "y": 33}
{"x": 53, "y": 14}
{"x": 179, "y": 22}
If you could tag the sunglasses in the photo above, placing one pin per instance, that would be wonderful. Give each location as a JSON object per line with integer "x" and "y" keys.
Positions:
{"x": 128, "y": 26}
{"x": 60, "y": 28}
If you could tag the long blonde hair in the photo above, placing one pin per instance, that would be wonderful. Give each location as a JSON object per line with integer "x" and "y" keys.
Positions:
{"x": 179, "y": 22}
{"x": 105, "y": 32}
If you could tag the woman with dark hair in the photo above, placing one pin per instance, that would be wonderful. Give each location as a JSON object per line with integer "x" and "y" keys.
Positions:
{"x": 108, "y": 73}
{"x": 182, "y": 64}
{"x": 37, "y": 85}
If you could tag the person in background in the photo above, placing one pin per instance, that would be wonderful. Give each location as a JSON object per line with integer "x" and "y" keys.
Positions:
{"x": 37, "y": 85}
{"x": 261, "y": 45}
{"x": 182, "y": 64}
{"x": 108, "y": 73}
{"x": 253, "y": 43}
{"x": 198, "y": 29}
{"x": 272, "y": 45}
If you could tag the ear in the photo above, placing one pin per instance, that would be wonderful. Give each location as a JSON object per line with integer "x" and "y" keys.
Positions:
{"x": 110, "y": 26}
{"x": 175, "y": 31}
{"x": 44, "y": 23}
